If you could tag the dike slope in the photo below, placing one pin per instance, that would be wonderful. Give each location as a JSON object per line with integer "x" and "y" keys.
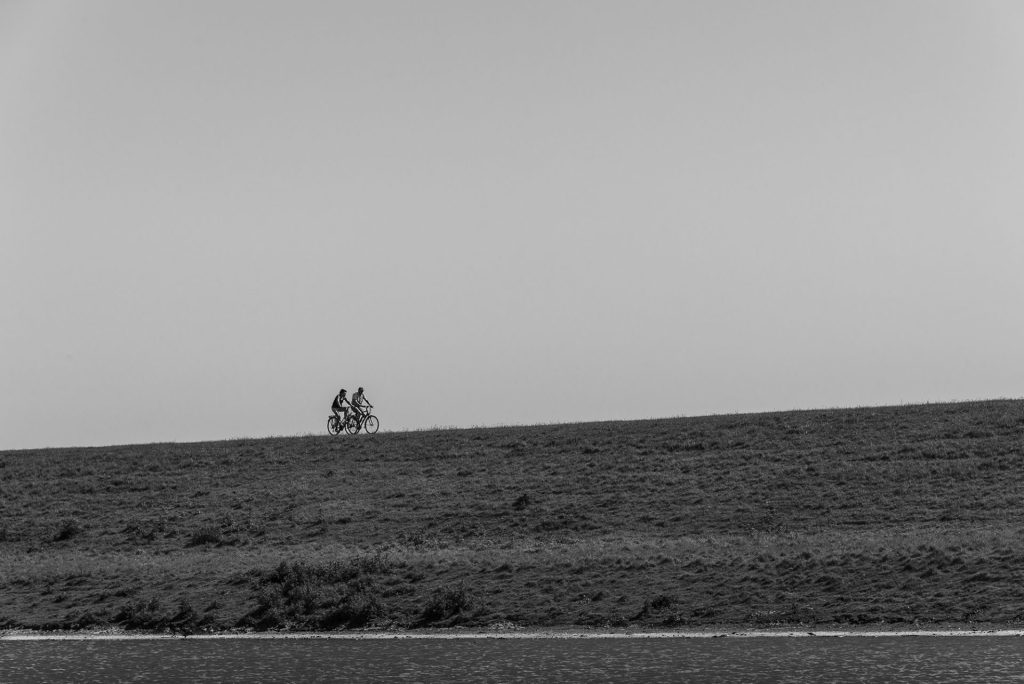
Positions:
{"x": 905, "y": 515}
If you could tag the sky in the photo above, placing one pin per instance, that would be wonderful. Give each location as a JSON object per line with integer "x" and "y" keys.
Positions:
{"x": 214, "y": 215}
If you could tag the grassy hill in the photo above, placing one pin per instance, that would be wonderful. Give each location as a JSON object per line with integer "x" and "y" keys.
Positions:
{"x": 908, "y": 514}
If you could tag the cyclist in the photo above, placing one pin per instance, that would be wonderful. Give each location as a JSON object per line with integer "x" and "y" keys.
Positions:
{"x": 341, "y": 403}
{"x": 359, "y": 403}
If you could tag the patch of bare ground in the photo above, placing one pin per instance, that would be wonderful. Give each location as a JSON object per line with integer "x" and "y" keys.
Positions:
{"x": 903, "y": 515}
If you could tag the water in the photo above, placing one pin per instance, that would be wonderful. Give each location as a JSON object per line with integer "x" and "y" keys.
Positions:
{"x": 748, "y": 659}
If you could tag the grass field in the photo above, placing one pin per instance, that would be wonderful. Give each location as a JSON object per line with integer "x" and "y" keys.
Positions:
{"x": 896, "y": 515}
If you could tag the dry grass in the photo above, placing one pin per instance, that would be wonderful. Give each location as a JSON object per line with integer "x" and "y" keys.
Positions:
{"x": 898, "y": 514}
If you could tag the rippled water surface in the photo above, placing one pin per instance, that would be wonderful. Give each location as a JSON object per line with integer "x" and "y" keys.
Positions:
{"x": 760, "y": 659}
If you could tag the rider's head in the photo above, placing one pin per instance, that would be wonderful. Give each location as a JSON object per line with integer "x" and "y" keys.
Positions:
{"x": 360, "y": 389}
{"x": 341, "y": 391}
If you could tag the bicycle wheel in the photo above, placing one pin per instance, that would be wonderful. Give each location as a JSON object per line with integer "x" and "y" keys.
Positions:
{"x": 333, "y": 426}
{"x": 371, "y": 424}
{"x": 351, "y": 426}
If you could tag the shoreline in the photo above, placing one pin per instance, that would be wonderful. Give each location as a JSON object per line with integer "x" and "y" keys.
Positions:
{"x": 735, "y": 633}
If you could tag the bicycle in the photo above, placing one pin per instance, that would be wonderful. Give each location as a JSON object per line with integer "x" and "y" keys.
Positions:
{"x": 365, "y": 420}
{"x": 352, "y": 424}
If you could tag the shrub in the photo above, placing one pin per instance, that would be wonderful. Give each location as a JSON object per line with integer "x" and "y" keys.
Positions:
{"x": 186, "y": 619}
{"x": 88, "y": 619}
{"x": 357, "y": 609}
{"x": 446, "y": 604}
{"x": 656, "y": 604}
{"x": 376, "y": 563}
{"x": 337, "y": 594}
{"x": 141, "y": 614}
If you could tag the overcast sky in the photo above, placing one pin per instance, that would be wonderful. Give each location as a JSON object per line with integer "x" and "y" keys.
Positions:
{"x": 213, "y": 215}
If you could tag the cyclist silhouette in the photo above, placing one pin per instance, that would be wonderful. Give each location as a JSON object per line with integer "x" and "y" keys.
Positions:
{"x": 359, "y": 403}
{"x": 341, "y": 403}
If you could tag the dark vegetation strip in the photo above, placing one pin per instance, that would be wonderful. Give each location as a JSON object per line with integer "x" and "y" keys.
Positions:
{"x": 903, "y": 514}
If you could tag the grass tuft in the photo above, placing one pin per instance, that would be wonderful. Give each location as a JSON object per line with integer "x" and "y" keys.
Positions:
{"x": 205, "y": 535}
{"x": 67, "y": 529}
